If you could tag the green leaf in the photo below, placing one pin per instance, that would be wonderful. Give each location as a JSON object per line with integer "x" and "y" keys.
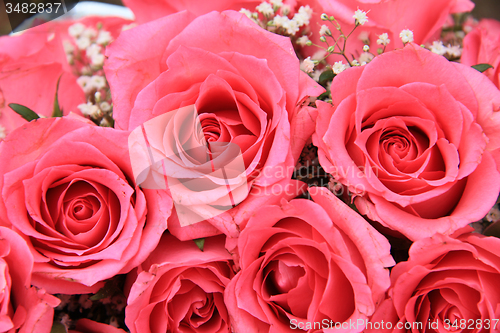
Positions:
{"x": 325, "y": 77}
{"x": 200, "y": 242}
{"x": 57, "y": 110}
{"x": 482, "y": 67}
{"x": 109, "y": 289}
{"x": 24, "y": 112}
{"x": 58, "y": 328}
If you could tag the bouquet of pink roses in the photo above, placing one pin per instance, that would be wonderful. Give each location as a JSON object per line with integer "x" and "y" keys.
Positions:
{"x": 252, "y": 166}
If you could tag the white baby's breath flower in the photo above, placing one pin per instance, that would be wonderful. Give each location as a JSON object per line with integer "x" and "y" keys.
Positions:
{"x": 360, "y": 17}
{"x": 83, "y": 42}
{"x": 307, "y": 65}
{"x": 291, "y": 27}
{"x": 406, "y": 36}
{"x": 3, "y": 132}
{"x": 438, "y": 47}
{"x": 104, "y": 37}
{"x": 302, "y": 41}
{"x": 318, "y": 55}
{"x": 355, "y": 63}
{"x": 83, "y": 81}
{"x": 276, "y": 3}
{"x": 324, "y": 30}
{"x": 339, "y": 67}
{"x": 280, "y": 21}
{"x": 366, "y": 48}
{"x": 89, "y": 32}
{"x": 246, "y": 12}
{"x": 76, "y": 30}
{"x": 285, "y": 10}
{"x": 97, "y": 60}
{"x": 68, "y": 47}
{"x": 454, "y": 51}
{"x": 97, "y": 82}
{"x": 105, "y": 107}
{"x": 265, "y": 8}
{"x": 365, "y": 57}
{"x": 92, "y": 50}
{"x": 301, "y": 19}
{"x": 383, "y": 39}
{"x": 364, "y": 36}
{"x": 90, "y": 110}
{"x": 306, "y": 11}
{"x": 317, "y": 73}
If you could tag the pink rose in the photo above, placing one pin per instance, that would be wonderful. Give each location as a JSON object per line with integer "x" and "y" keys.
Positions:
{"x": 22, "y": 308}
{"x": 180, "y": 288}
{"x": 447, "y": 285}
{"x": 149, "y": 10}
{"x": 425, "y": 18}
{"x": 247, "y": 91}
{"x": 297, "y": 259}
{"x": 67, "y": 187}
{"x": 482, "y": 46}
{"x": 30, "y": 66}
{"x": 89, "y": 326}
{"x": 403, "y": 135}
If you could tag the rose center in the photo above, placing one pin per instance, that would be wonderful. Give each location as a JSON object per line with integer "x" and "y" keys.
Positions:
{"x": 83, "y": 208}
{"x": 210, "y": 126}
{"x": 282, "y": 277}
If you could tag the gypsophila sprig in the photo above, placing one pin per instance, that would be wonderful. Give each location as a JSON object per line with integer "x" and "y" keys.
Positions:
{"x": 438, "y": 47}
{"x": 325, "y": 31}
{"x": 85, "y": 53}
{"x": 383, "y": 39}
{"x": 360, "y": 17}
{"x": 339, "y": 67}
{"x": 307, "y": 65}
{"x": 406, "y": 36}
{"x": 303, "y": 41}
{"x": 453, "y": 51}
{"x": 265, "y": 9}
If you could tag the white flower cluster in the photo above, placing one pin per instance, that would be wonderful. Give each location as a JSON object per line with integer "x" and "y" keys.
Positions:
{"x": 292, "y": 26}
{"x": 307, "y": 65}
{"x": 90, "y": 84}
{"x": 88, "y": 40}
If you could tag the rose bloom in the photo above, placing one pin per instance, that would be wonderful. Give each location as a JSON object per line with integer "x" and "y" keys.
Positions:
{"x": 67, "y": 188}
{"x": 402, "y": 134}
{"x": 482, "y": 46}
{"x": 30, "y": 66}
{"x": 180, "y": 288}
{"x": 306, "y": 263}
{"x": 22, "y": 308}
{"x": 246, "y": 88}
{"x": 448, "y": 284}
